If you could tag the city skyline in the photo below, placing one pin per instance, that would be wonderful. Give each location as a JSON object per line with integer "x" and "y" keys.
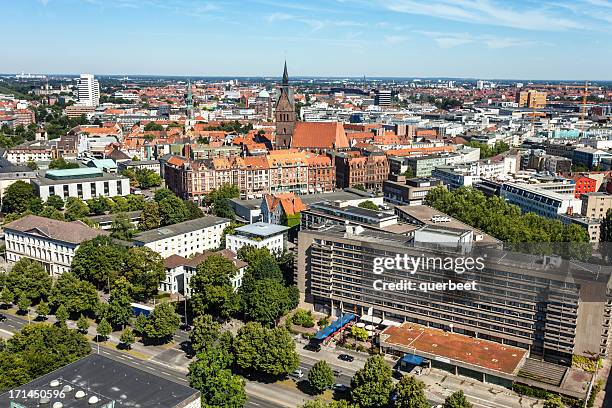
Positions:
{"x": 402, "y": 38}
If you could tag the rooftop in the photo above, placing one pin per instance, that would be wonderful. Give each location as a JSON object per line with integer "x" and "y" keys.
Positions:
{"x": 468, "y": 350}
{"x": 53, "y": 177}
{"x": 73, "y": 232}
{"x": 96, "y": 381}
{"x": 178, "y": 229}
{"x": 262, "y": 229}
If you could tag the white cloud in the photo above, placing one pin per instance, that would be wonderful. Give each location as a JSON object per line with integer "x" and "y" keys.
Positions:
{"x": 395, "y": 39}
{"x": 486, "y": 12}
{"x": 279, "y": 17}
{"x": 449, "y": 40}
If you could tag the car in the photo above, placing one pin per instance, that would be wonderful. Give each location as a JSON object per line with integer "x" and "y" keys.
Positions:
{"x": 2, "y": 317}
{"x": 340, "y": 387}
{"x": 337, "y": 373}
{"x": 185, "y": 327}
{"x": 297, "y": 374}
{"x": 346, "y": 357}
{"x": 313, "y": 347}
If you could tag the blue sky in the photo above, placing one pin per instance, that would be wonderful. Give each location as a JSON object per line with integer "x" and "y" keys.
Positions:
{"x": 548, "y": 39}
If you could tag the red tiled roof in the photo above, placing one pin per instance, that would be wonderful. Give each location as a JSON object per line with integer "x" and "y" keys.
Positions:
{"x": 319, "y": 135}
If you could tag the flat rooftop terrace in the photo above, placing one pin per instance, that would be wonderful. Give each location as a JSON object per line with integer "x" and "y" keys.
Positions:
{"x": 458, "y": 347}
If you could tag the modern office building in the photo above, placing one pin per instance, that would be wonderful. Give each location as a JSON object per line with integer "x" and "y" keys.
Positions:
{"x": 83, "y": 182}
{"x": 96, "y": 381}
{"x": 401, "y": 191}
{"x": 453, "y": 177}
{"x": 258, "y": 235}
{"x": 589, "y": 156}
{"x": 383, "y": 97}
{"x": 88, "y": 90}
{"x": 50, "y": 242}
{"x": 552, "y": 308}
{"x": 186, "y": 238}
{"x": 540, "y": 201}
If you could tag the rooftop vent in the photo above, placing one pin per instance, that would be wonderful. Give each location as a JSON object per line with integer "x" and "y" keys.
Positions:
{"x": 93, "y": 400}
{"x": 57, "y": 405}
{"x": 54, "y": 383}
{"x": 79, "y": 394}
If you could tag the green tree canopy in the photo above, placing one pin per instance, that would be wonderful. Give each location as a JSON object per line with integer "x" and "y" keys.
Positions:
{"x": 411, "y": 393}
{"x": 321, "y": 376}
{"x": 119, "y": 309}
{"x": 122, "y": 228}
{"x": 205, "y": 331}
{"x": 268, "y": 300}
{"x": 127, "y": 337}
{"x": 144, "y": 269}
{"x": 162, "y": 194}
{"x": 78, "y": 296}
{"x": 212, "y": 291}
{"x": 98, "y": 261}
{"x": 55, "y": 201}
{"x": 193, "y": 210}
{"x": 18, "y": 197}
{"x": 76, "y": 209}
{"x": 29, "y": 278}
{"x": 147, "y": 178}
{"x": 368, "y": 205}
{"x": 37, "y": 350}
{"x": 172, "y": 210}
{"x": 458, "y": 400}
{"x": 104, "y": 329}
{"x": 162, "y": 323}
{"x": 61, "y": 163}
{"x": 150, "y": 218}
{"x": 372, "y": 385}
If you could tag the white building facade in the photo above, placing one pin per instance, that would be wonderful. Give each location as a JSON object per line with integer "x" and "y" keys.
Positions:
{"x": 258, "y": 235}
{"x": 88, "y": 90}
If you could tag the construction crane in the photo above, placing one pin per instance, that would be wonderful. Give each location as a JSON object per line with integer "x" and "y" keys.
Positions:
{"x": 583, "y": 108}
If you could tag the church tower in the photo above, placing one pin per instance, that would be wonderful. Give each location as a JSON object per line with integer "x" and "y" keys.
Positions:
{"x": 284, "y": 114}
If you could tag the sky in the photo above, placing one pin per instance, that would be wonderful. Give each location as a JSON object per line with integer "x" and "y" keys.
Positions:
{"x": 485, "y": 39}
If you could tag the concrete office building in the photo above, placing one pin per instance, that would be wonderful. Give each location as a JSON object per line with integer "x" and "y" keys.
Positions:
{"x": 552, "y": 308}
{"x": 88, "y": 90}
{"x": 185, "y": 238}
{"x": 50, "y": 242}
{"x": 401, "y": 191}
{"x": 539, "y": 201}
{"x": 596, "y": 205}
{"x": 259, "y": 235}
{"x": 83, "y": 182}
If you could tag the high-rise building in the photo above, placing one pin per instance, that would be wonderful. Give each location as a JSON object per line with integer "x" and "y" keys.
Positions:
{"x": 89, "y": 90}
{"x": 531, "y": 99}
{"x": 284, "y": 114}
{"x": 383, "y": 97}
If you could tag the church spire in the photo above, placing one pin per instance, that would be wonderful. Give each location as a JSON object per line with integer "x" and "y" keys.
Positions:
{"x": 285, "y": 75}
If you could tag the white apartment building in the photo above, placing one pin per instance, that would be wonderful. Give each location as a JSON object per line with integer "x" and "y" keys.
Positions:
{"x": 50, "y": 242}
{"x": 84, "y": 183}
{"x": 259, "y": 235}
{"x": 180, "y": 270}
{"x": 542, "y": 202}
{"x": 186, "y": 238}
{"x": 88, "y": 90}
{"x": 29, "y": 152}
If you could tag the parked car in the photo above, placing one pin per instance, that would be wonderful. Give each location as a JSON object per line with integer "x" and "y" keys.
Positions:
{"x": 2, "y": 317}
{"x": 297, "y": 374}
{"x": 313, "y": 347}
{"x": 340, "y": 387}
{"x": 346, "y": 357}
{"x": 337, "y": 373}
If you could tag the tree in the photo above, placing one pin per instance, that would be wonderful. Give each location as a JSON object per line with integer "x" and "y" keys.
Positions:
{"x": 371, "y": 386}
{"x": 205, "y": 331}
{"x": 6, "y": 297}
{"x": 324, "y": 404}
{"x": 119, "y": 306}
{"x": 144, "y": 269}
{"x": 152, "y": 126}
{"x": 32, "y": 165}
{"x": 104, "y": 329}
{"x": 55, "y": 201}
{"x": 172, "y": 210}
{"x": 162, "y": 194}
{"x": 552, "y": 401}
{"x": 222, "y": 208}
{"x": 368, "y": 205}
{"x": 409, "y": 173}
{"x": 303, "y": 318}
{"x": 280, "y": 357}
{"x": 29, "y": 278}
{"x": 76, "y": 295}
{"x": 76, "y": 209}
{"x": 225, "y": 191}
{"x": 193, "y": 210}
{"x": 100, "y": 205}
{"x": 42, "y": 310}
{"x": 321, "y": 376}
{"x": 411, "y": 393}
{"x": 147, "y": 178}
{"x": 24, "y": 304}
{"x": 122, "y": 228}
{"x": 211, "y": 376}
{"x": 52, "y": 213}
{"x": 98, "y": 261}
{"x": 83, "y": 324}
{"x": 37, "y": 350}
{"x": 61, "y": 163}
{"x": 162, "y": 323}
{"x": 267, "y": 301}
{"x": 18, "y": 197}
{"x": 459, "y": 400}
{"x": 140, "y": 324}
{"x": 149, "y": 218}
{"x": 359, "y": 333}
{"x": 211, "y": 288}
{"x": 127, "y": 338}
{"x": 61, "y": 314}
